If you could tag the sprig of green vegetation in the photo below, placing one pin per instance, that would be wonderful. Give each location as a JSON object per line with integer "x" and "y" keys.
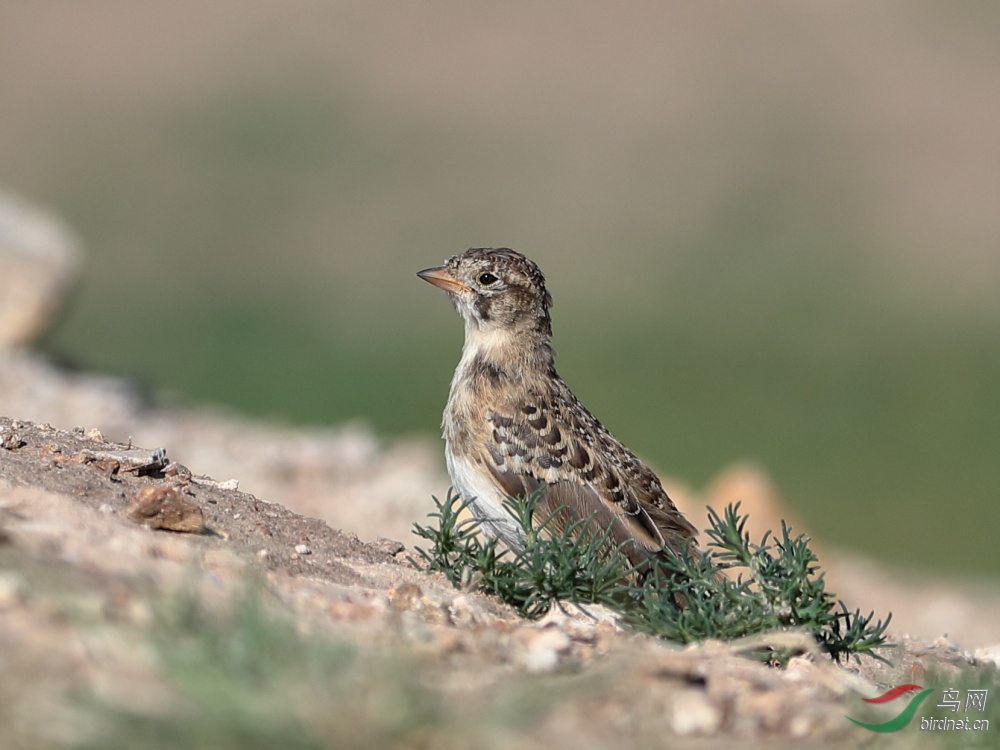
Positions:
{"x": 578, "y": 564}
{"x": 735, "y": 588}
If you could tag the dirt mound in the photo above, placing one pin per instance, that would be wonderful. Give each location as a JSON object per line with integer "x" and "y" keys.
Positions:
{"x": 84, "y": 577}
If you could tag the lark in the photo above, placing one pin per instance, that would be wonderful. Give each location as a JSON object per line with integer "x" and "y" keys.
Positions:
{"x": 512, "y": 426}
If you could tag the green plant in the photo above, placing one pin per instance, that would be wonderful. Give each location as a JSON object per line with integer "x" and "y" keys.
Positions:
{"x": 577, "y": 564}
{"x": 735, "y": 588}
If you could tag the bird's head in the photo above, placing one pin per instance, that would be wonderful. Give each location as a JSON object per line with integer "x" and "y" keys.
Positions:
{"x": 498, "y": 292}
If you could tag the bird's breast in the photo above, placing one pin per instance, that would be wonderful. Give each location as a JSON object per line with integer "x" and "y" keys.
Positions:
{"x": 474, "y": 484}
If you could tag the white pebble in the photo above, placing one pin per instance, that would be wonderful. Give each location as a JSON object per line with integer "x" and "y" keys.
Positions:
{"x": 694, "y": 713}
{"x": 13, "y": 590}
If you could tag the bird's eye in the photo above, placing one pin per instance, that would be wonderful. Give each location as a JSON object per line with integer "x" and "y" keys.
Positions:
{"x": 487, "y": 278}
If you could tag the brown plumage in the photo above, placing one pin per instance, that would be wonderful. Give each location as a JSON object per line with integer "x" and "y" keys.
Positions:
{"x": 512, "y": 425}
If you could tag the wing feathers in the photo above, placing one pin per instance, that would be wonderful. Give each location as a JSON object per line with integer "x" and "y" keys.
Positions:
{"x": 552, "y": 440}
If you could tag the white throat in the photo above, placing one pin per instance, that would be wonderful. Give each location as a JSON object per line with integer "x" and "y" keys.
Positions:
{"x": 486, "y": 339}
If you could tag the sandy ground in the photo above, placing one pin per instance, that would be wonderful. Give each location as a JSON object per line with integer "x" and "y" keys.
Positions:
{"x": 76, "y": 516}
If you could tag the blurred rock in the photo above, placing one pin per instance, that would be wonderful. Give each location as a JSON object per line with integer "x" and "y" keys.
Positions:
{"x": 749, "y": 485}
{"x": 537, "y": 650}
{"x": 990, "y": 655}
{"x": 165, "y": 508}
{"x": 695, "y": 713}
{"x": 39, "y": 263}
{"x": 343, "y": 474}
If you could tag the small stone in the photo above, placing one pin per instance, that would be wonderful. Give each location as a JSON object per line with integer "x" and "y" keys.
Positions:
{"x": 799, "y": 669}
{"x": 109, "y": 466}
{"x": 95, "y": 434}
{"x": 694, "y": 713}
{"x": 133, "y": 460}
{"x": 179, "y": 471}
{"x": 389, "y": 546}
{"x": 230, "y": 484}
{"x": 463, "y": 612}
{"x": 989, "y": 654}
{"x": 406, "y": 597}
{"x": 165, "y": 507}
{"x": 13, "y": 590}
{"x": 801, "y": 725}
{"x": 10, "y": 440}
{"x": 302, "y": 549}
{"x": 106, "y": 508}
{"x": 263, "y": 554}
{"x": 540, "y": 649}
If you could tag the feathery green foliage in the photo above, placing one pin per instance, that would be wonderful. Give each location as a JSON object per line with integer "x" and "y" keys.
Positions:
{"x": 681, "y": 596}
{"x": 579, "y": 564}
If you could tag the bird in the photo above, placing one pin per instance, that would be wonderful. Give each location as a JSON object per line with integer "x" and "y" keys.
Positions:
{"x": 512, "y": 427}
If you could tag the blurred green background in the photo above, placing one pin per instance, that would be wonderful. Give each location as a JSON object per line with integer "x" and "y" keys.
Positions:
{"x": 772, "y": 230}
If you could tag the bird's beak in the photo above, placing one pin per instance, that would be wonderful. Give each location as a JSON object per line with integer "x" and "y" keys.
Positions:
{"x": 441, "y": 277}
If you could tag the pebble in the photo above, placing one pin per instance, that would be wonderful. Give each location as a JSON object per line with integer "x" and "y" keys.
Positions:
{"x": 694, "y": 713}
{"x": 389, "y": 546}
{"x": 13, "y": 589}
{"x": 989, "y": 654}
{"x": 165, "y": 507}
{"x": 302, "y": 549}
{"x": 540, "y": 649}
{"x": 464, "y": 612}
